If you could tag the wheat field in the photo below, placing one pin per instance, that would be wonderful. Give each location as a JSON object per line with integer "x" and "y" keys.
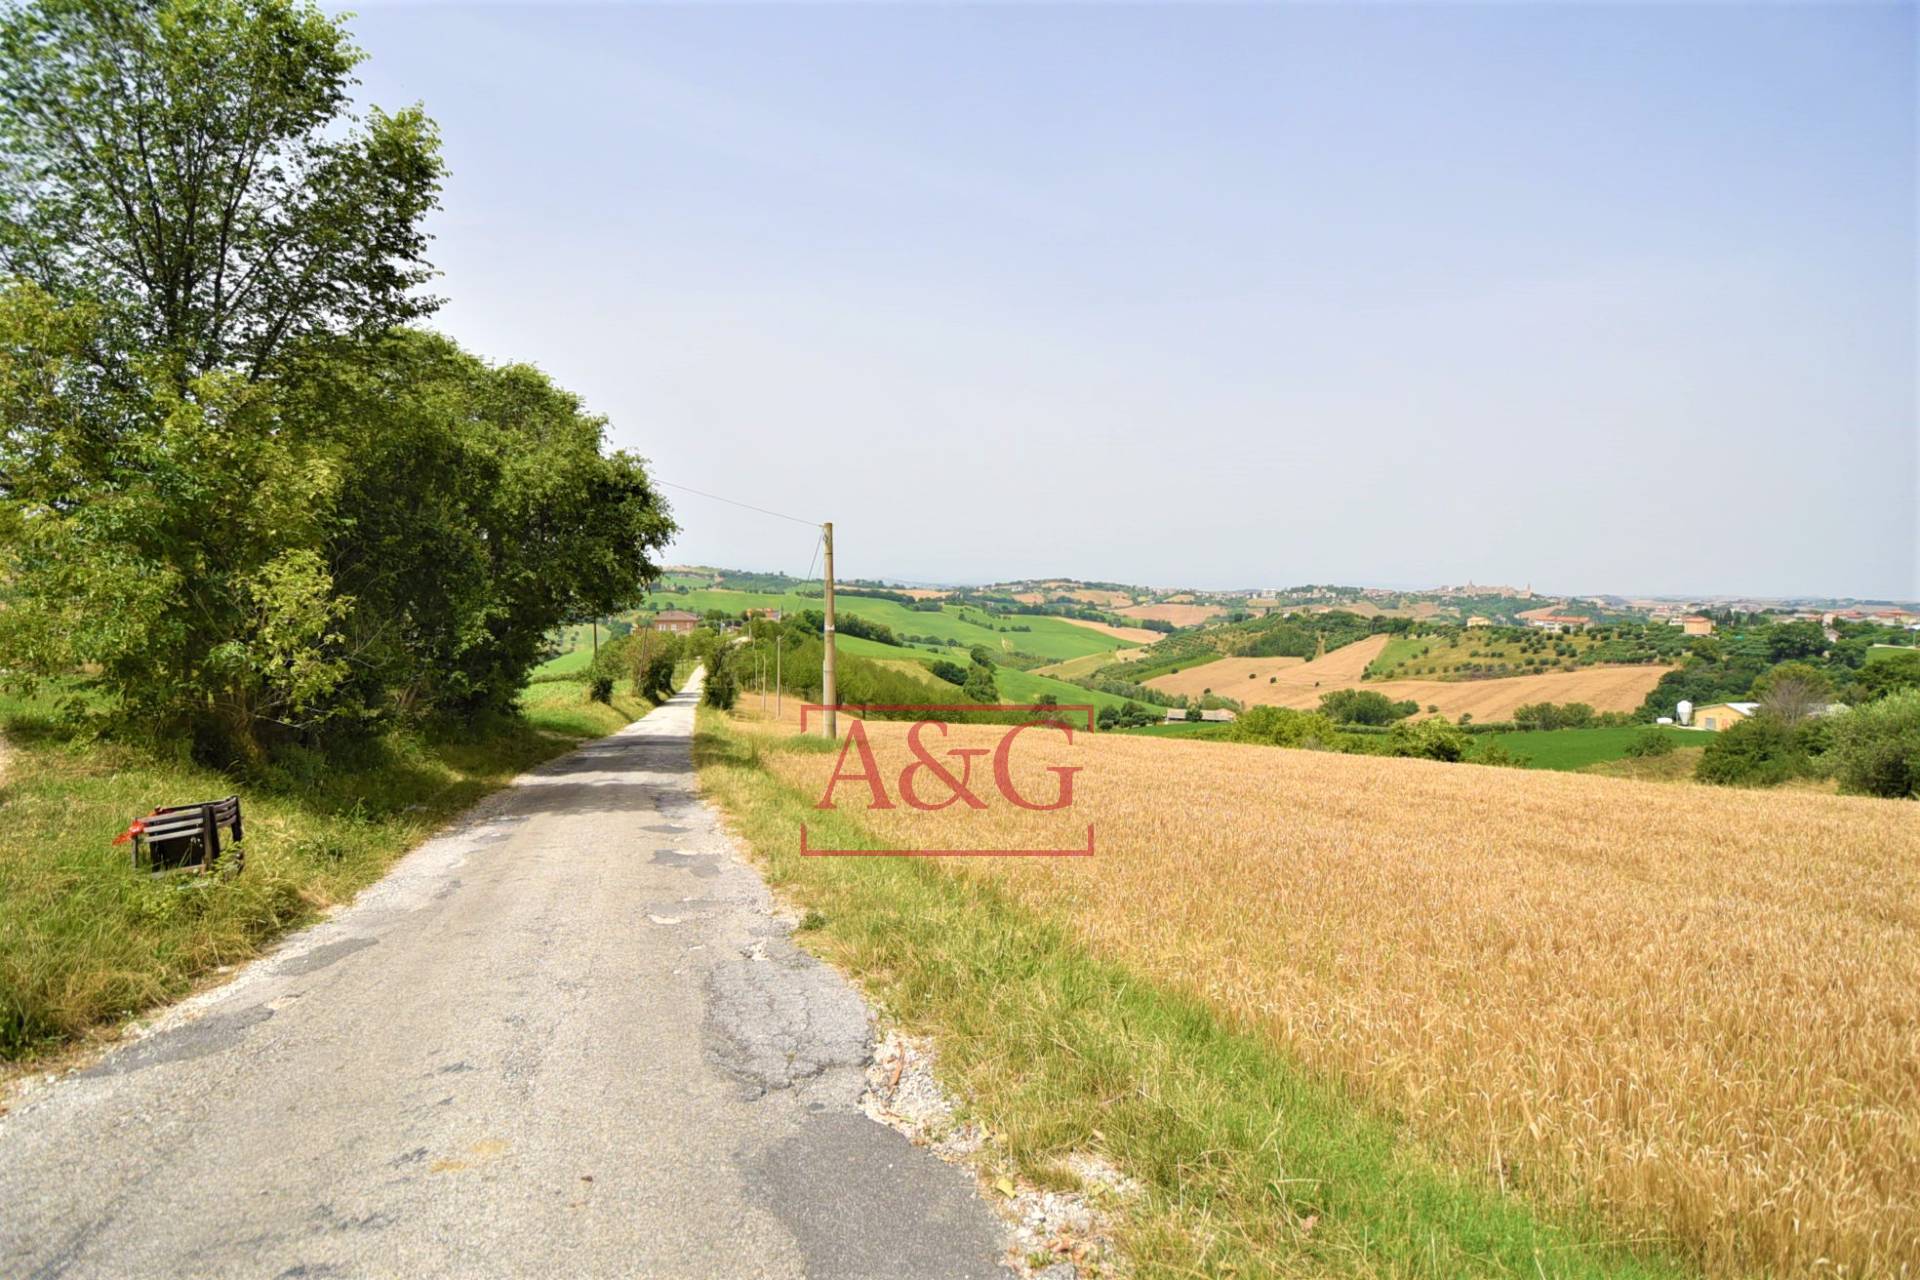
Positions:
{"x": 1288, "y": 682}
{"x": 1697, "y": 1009}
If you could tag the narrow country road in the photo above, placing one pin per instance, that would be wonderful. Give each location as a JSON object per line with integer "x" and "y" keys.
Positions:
{"x": 565, "y": 1038}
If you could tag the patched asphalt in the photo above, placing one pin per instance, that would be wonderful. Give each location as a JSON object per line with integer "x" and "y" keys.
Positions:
{"x": 567, "y": 1037}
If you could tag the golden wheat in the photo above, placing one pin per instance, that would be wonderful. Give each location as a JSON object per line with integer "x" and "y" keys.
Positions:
{"x": 1698, "y": 1009}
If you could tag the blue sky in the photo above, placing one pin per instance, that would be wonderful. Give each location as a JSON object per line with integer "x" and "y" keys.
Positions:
{"x": 1612, "y": 298}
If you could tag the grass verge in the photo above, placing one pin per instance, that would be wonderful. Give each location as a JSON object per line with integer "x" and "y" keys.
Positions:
{"x": 85, "y": 940}
{"x": 1251, "y": 1165}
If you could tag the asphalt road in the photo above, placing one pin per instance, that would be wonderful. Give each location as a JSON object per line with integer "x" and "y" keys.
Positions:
{"x": 565, "y": 1038}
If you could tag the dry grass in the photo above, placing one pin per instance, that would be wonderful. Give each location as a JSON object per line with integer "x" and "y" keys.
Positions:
{"x": 1699, "y": 1010}
{"x": 1180, "y": 615}
{"x": 1300, "y": 685}
{"x": 1132, "y": 635}
{"x": 1232, "y": 677}
{"x": 1086, "y": 664}
{"x": 1302, "y": 682}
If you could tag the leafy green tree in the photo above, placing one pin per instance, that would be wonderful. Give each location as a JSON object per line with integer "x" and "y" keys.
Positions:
{"x": 1886, "y": 675}
{"x": 980, "y": 686}
{"x": 1798, "y": 639}
{"x": 1876, "y": 747}
{"x": 722, "y": 688}
{"x": 191, "y": 167}
{"x": 656, "y": 678}
{"x": 982, "y": 656}
{"x": 394, "y": 531}
{"x": 1282, "y": 727}
{"x": 951, "y": 672}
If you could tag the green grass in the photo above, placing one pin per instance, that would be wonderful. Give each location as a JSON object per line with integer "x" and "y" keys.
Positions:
{"x": 1877, "y": 652}
{"x": 1014, "y": 685}
{"x": 1569, "y": 749}
{"x": 1181, "y": 729}
{"x": 567, "y": 663}
{"x": 1048, "y": 638}
{"x": 1250, "y": 1165}
{"x": 85, "y": 940}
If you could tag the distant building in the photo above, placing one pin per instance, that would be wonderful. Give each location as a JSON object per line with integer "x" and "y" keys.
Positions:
{"x": 1219, "y": 715}
{"x": 675, "y": 620}
{"x": 1477, "y": 621}
{"x": 1558, "y": 622}
{"x": 1695, "y": 625}
{"x": 1722, "y": 716}
{"x": 769, "y": 615}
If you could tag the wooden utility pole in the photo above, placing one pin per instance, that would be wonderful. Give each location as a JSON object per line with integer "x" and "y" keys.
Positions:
{"x": 777, "y": 637}
{"x": 826, "y": 661}
{"x": 596, "y": 639}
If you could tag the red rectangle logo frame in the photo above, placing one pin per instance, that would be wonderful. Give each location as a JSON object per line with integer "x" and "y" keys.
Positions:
{"x": 807, "y": 852}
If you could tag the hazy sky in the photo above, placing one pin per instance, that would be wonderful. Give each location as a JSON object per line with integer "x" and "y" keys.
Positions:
{"x": 1601, "y": 298}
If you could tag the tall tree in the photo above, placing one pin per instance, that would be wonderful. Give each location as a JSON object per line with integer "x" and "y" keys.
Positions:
{"x": 192, "y": 166}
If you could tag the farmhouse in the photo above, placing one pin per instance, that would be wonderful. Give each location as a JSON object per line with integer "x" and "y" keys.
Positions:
{"x": 1219, "y": 715}
{"x": 1722, "y": 716}
{"x": 675, "y": 620}
{"x": 1695, "y": 625}
{"x": 1477, "y": 621}
{"x": 1558, "y": 622}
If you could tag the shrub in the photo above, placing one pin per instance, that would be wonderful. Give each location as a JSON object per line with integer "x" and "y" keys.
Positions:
{"x": 601, "y": 689}
{"x": 1281, "y": 727}
{"x": 1650, "y": 742}
{"x": 1876, "y": 748}
{"x": 1494, "y": 752}
{"x": 1433, "y": 739}
{"x": 1762, "y": 751}
{"x": 1364, "y": 706}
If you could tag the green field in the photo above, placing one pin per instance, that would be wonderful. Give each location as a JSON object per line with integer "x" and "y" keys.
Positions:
{"x": 1569, "y": 749}
{"x": 1181, "y": 729}
{"x": 1881, "y": 651}
{"x": 1048, "y": 637}
{"x": 1014, "y": 686}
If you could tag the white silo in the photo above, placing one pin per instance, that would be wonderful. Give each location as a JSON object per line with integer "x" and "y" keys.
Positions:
{"x": 1684, "y": 711}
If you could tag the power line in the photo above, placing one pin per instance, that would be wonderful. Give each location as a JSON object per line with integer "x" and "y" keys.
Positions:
{"x": 732, "y": 502}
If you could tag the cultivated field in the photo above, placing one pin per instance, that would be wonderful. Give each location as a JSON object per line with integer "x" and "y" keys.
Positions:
{"x": 1180, "y": 615}
{"x": 1283, "y": 682}
{"x": 1132, "y": 635}
{"x": 1073, "y": 668}
{"x": 1292, "y": 677}
{"x": 1698, "y": 1009}
{"x": 1231, "y": 677}
{"x": 1041, "y": 635}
